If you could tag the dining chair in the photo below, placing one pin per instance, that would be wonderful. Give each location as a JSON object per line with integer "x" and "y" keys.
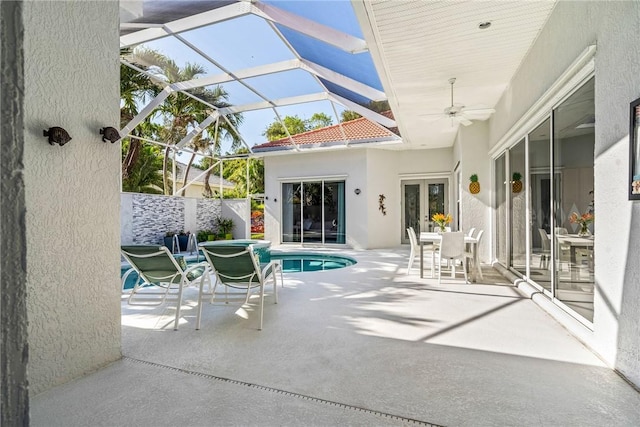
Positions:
{"x": 415, "y": 247}
{"x": 477, "y": 256}
{"x": 471, "y": 231}
{"x": 545, "y": 253}
{"x": 452, "y": 248}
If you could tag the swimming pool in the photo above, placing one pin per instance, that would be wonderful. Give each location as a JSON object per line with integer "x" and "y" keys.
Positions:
{"x": 299, "y": 262}
{"x": 292, "y": 262}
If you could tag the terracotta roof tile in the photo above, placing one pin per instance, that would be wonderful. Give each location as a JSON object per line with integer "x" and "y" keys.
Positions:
{"x": 354, "y": 130}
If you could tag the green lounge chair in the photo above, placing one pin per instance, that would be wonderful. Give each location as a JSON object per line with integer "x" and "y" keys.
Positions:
{"x": 156, "y": 266}
{"x": 239, "y": 267}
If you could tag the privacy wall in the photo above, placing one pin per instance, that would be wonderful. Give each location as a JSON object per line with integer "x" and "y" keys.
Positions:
{"x": 146, "y": 218}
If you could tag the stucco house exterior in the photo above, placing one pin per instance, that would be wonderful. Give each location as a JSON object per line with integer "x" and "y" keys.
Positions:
{"x": 195, "y": 182}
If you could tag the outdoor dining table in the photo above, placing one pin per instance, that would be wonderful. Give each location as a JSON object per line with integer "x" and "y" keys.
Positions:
{"x": 575, "y": 242}
{"x": 431, "y": 237}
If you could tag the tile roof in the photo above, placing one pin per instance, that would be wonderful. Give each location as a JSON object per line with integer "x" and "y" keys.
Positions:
{"x": 358, "y": 130}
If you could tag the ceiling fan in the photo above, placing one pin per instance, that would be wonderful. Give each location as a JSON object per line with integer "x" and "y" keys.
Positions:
{"x": 460, "y": 113}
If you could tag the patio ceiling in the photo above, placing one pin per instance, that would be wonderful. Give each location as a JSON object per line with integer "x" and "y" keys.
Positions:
{"x": 419, "y": 45}
{"x": 352, "y": 53}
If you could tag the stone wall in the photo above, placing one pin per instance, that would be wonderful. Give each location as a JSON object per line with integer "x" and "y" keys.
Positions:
{"x": 206, "y": 213}
{"x": 146, "y": 218}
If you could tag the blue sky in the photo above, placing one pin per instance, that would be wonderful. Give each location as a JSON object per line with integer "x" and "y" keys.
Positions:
{"x": 249, "y": 41}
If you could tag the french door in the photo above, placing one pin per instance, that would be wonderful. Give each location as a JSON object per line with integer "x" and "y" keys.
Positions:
{"x": 421, "y": 198}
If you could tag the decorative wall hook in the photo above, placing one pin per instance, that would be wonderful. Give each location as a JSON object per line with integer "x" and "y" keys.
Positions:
{"x": 57, "y": 135}
{"x": 109, "y": 134}
{"x": 381, "y": 206}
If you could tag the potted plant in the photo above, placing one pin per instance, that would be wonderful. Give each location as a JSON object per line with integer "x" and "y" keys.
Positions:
{"x": 183, "y": 240}
{"x": 225, "y": 227}
{"x": 168, "y": 239}
{"x": 202, "y": 235}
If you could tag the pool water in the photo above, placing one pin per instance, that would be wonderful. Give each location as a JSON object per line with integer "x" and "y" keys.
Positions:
{"x": 301, "y": 262}
{"x": 297, "y": 262}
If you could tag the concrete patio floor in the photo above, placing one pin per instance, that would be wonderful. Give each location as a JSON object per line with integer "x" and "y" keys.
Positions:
{"x": 363, "y": 345}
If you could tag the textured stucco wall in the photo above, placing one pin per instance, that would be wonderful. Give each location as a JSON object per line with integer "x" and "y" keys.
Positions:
{"x": 72, "y": 192}
{"x": 374, "y": 171}
{"x": 476, "y": 208}
{"x": 350, "y": 162}
{"x": 14, "y": 347}
{"x": 239, "y": 210}
{"x": 570, "y": 29}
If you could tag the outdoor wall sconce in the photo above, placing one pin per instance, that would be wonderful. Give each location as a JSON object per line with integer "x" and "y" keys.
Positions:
{"x": 357, "y": 191}
{"x": 57, "y": 135}
{"x": 109, "y": 134}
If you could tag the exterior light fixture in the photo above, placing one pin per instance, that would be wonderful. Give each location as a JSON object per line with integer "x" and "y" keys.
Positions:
{"x": 109, "y": 134}
{"x": 484, "y": 25}
{"x": 57, "y": 135}
{"x": 357, "y": 191}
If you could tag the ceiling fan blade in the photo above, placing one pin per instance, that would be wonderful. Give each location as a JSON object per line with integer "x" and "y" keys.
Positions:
{"x": 463, "y": 120}
{"x": 478, "y": 111}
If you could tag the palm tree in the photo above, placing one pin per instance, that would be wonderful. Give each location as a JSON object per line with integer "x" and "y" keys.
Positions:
{"x": 135, "y": 88}
{"x": 146, "y": 176}
{"x": 210, "y": 139}
{"x": 180, "y": 111}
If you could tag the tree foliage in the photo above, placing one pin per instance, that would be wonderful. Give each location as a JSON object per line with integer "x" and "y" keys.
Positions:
{"x": 181, "y": 113}
{"x": 296, "y": 125}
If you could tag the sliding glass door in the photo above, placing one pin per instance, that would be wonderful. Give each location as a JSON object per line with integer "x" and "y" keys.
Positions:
{"x": 313, "y": 212}
{"x": 551, "y": 182}
{"x": 574, "y": 145}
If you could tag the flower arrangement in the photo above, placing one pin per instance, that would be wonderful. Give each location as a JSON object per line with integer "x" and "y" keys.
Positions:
{"x": 583, "y": 221}
{"x": 442, "y": 220}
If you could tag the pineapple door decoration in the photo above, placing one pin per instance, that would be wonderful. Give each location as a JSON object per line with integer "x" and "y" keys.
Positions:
{"x": 474, "y": 186}
{"x": 516, "y": 184}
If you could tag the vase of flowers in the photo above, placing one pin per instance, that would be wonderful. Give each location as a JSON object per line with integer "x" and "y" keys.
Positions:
{"x": 442, "y": 220}
{"x": 583, "y": 222}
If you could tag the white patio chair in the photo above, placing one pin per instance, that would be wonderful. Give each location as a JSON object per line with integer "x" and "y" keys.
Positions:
{"x": 452, "y": 247}
{"x": 545, "y": 253}
{"x": 415, "y": 247}
{"x": 477, "y": 249}
{"x": 471, "y": 231}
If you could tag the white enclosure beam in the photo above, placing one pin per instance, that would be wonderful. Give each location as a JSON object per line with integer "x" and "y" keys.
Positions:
{"x": 220, "y": 14}
{"x": 342, "y": 80}
{"x": 199, "y": 128}
{"x": 139, "y": 118}
{"x": 282, "y": 102}
{"x": 363, "y": 111}
{"x": 311, "y": 28}
{"x": 246, "y": 73}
